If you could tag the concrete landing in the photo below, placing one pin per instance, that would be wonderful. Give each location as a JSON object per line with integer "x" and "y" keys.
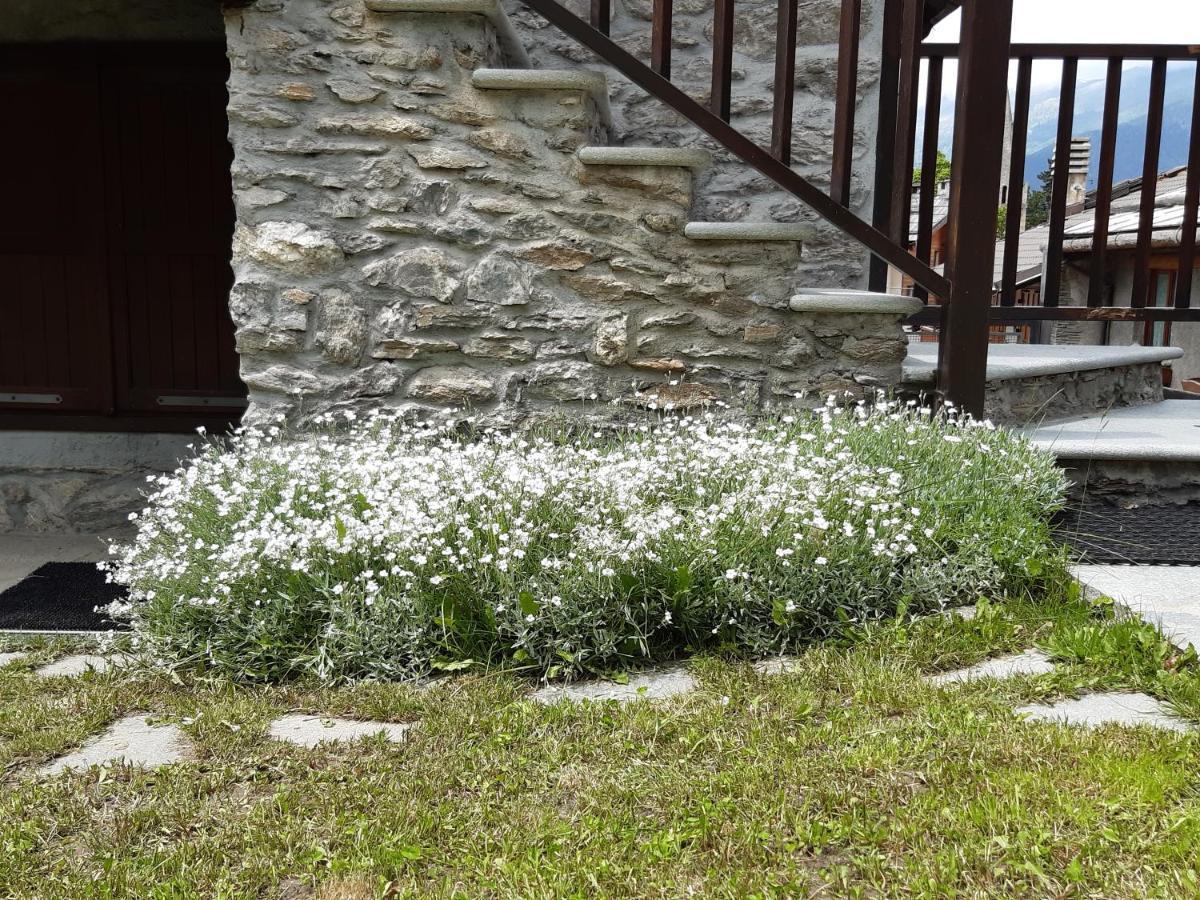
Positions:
{"x": 1007, "y": 362}
{"x": 1165, "y": 432}
{"x": 1166, "y": 596}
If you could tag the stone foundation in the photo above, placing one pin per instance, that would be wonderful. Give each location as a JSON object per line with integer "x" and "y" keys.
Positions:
{"x": 1027, "y": 401}
{"x": 79, "y": 482}
{"x": 1131, "y": 483}
{"x": 409, "y": 239}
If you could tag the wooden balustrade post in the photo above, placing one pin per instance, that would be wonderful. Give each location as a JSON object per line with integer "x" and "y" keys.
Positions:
{"x": 974, "y": 198}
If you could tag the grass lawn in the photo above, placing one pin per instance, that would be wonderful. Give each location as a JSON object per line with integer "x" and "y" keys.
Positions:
{"x": 848, "y": 776}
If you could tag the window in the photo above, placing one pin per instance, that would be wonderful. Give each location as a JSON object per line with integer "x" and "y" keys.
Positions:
{"x": 1162, "y": 289}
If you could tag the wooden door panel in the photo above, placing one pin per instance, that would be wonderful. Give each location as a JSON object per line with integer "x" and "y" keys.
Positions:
{"x": 53, "y": 305}
{"x": 170, "y": 228}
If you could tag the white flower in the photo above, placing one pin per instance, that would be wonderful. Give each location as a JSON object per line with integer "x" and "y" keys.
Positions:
{"x": 821, "y": 561}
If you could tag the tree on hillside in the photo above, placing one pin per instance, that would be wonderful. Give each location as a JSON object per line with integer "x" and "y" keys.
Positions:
{"x": 942, "y": 170}
{"x": 1037, "y": 210}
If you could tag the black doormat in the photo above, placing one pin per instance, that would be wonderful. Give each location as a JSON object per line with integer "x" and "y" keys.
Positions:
{"x": 1165, "y": 535}
{"x": 60, "y": 596}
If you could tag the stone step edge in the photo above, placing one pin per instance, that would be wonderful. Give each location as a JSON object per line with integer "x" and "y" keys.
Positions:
{"x": 748, "y": 231}
{"x": 510, "y": 41}
{"x": 843, "y": 302}
{"x": 683, "y": 157}
{"x": 592, "y": 81}
{"x": 1074, "y": 359}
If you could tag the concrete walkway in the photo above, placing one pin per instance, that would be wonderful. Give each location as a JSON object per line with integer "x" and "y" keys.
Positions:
{"x": 21, "y": 553}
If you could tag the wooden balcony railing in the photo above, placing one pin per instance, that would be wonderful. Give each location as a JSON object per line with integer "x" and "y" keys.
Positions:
{"x": 1099, "y": 204}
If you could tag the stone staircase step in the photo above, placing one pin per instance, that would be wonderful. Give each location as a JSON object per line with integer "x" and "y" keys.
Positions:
{"x": 1008, "y": 362}
{"x": 684, "y": 157}
{"x": 1133, "y": 456}
{"x": 1032, "y": 383}
{"x": 749, "y": 231}
{"x": 590, "y": 81}
{"x": 510, "y": 42}
{"x": 852, "y": 302}
{"x": 1168, "y": 431}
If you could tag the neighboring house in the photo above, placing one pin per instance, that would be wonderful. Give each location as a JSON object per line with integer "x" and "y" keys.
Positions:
{"x": 1119, "y": 264}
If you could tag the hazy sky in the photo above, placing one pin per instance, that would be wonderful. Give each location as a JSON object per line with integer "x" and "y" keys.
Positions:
{"x": 1096, "y": 21}
{"x": 1087, "y": 22}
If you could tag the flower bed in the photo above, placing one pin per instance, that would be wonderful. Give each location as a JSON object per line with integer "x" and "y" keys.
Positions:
{"x": 382, "y": 549}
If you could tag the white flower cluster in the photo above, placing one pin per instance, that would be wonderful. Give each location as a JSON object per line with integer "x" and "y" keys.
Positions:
{"x": 383, "y": 548}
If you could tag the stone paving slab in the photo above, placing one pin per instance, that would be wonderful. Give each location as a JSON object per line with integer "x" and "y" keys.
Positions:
{"x": 1094, "y": 710}
{"x": 776, "y": 665}
{"x": 309, "y": 731}
{"x": 657, "y": 685}
{"x": 132, "y": 741}
{"x": 1031, "y": 662}
{"x": 78, "y": 663}
{"x": 1165, "y": 596}
{"x": 6, "y": 658}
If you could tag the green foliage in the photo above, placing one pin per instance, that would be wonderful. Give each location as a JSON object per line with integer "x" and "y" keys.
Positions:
{"x": 1129, "y": 647}
{"x": 1037, "y": 208}
{"x": 942, "y": 172}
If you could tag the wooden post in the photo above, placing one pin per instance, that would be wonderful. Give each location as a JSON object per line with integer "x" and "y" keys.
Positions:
{"x": 974, "y": 198}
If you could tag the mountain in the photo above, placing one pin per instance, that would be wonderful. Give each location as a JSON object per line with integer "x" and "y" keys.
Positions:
{"x": 1131, "y": 127}
{"x": 1089, "y": 115}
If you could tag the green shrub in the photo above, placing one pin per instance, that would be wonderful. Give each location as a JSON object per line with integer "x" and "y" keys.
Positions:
{"x": 384, "y": 549}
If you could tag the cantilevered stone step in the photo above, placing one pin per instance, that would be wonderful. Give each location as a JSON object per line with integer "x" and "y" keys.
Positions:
{"x": 852, "y": 302}
{"x": 511, "y": 43}
{"x": 593, "y": 82}
{"x": 684, "y": 157}
{"x": 748, "y": 231}
{"x": 1010, "y": 362}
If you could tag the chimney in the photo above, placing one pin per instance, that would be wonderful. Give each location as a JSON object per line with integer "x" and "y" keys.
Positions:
{"x": 1077, "y": 172}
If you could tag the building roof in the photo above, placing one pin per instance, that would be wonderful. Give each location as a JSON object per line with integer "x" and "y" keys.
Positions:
{"x": 1124, "y": 216}
{"x": 1122, "y": 225}
{"x": 941, "y": 209}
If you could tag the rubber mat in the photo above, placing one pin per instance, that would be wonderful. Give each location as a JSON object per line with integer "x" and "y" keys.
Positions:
{"x": 1153, "y": 535}
{"x": 60, "y": 596}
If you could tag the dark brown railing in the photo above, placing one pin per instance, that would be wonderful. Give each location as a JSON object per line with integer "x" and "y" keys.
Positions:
{"x": 967, "y": 281}
{"x": 1006, "y": 308}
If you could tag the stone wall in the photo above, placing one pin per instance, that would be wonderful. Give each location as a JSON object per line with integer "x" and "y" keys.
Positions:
{"x": 730, "y": 190}
{"x": 405, "y": 238}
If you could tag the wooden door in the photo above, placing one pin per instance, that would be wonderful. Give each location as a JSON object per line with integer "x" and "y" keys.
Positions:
{"x": 115, "y": 244}
{"x": 54, "y": 330}
{"x": 169, "y": 222}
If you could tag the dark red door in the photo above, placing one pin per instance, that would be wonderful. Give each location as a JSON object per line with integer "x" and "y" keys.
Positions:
{"x": 53, "y": 313}
{"x": 115, "y": 280}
